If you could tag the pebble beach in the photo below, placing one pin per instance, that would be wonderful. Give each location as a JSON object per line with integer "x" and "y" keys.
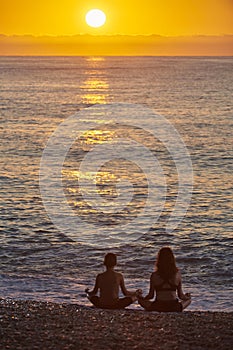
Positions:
{"x": 33, "y": 325}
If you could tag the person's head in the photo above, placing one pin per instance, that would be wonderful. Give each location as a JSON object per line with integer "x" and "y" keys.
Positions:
{"x": 166, "y": 263}
{"x": 110, "y": 260}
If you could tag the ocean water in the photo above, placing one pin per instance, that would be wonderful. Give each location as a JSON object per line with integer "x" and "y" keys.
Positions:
{"x": 36, "y": 95}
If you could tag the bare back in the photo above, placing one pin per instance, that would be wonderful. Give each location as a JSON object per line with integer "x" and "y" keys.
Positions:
{"x": 109, "y": 283}
{"x": 166, "y": 290}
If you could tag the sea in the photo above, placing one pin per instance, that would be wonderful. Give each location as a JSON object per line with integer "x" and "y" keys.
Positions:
{"x": 42, "y": 260}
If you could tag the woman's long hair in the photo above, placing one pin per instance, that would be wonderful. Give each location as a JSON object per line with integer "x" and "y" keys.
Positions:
{"x": 166, "y": 263}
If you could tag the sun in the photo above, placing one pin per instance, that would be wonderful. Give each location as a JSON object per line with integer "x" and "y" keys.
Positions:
{"x": 95, "y": 18}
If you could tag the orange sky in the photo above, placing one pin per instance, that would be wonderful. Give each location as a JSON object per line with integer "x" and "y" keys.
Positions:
{"x": 165, "y": 17}
{"x": 172, "y": 19}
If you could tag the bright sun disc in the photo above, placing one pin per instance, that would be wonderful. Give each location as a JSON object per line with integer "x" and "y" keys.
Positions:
{"x": 95, "y": 18}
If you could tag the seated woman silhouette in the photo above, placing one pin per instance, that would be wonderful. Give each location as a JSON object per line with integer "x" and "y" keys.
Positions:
{"x": 108, "y": 283}
{"x": 166, "y": 282}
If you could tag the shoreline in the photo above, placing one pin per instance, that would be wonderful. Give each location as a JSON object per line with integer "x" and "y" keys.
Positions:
{"x": 45, "y": 325}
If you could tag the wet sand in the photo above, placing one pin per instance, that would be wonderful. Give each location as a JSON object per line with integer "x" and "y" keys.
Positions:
{"x": 41, "y": 325}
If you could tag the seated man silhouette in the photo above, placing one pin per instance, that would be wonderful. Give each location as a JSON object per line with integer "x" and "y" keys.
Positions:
{"x": 108, "y": 283}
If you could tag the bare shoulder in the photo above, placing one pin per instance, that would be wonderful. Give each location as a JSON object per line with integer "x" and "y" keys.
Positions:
{"x": 119, "y": 276}
{"x": 100, "y": 276}
{"x": 178, "y": 277}
{"x": 154, "y": 276}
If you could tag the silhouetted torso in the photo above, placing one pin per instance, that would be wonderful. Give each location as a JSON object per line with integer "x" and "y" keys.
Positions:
{"x": 165, "y": 290}
{"x": 109, "y": 282}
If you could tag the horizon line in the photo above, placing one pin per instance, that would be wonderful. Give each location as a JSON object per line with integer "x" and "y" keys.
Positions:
{"x": 114, "y": 35}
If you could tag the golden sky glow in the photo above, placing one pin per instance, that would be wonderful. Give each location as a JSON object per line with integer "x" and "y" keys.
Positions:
{"x": 132, "y": 27}
{"x": 127, "y": 17}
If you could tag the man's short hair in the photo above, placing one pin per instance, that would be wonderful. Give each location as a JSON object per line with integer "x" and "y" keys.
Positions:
{"x": 110, "y": 260}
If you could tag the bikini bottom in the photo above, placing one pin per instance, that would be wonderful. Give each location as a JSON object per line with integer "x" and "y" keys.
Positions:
{"x": 166, "y": 306}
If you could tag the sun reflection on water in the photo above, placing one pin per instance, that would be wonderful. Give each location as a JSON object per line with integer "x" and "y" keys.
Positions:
{"x": 101, "y": 180}
{"x": 97, "y": 136}
{"x": 111, "y": 181}
{"x": 95, "y": 87}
